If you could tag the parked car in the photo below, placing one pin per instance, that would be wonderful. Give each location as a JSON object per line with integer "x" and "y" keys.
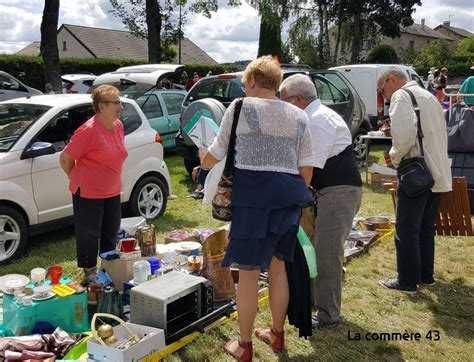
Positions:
{"x": 162, "y": 106}
{"x": 10, "y": 88}
{"x": 78, "y": 83}
{"x": 364, "y": 79}
{"x": 333, "y": 90}
{"x": 34, "y": 194}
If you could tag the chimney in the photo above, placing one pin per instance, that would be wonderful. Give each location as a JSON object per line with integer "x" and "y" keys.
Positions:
{"x": 422, "y": 23}
{"x": 446, "y": 24}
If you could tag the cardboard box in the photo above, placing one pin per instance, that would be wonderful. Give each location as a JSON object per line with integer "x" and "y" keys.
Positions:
{"x": 152, "y": 340}
{"x": 377, "y": 180}
{"x": 120, "y": 270}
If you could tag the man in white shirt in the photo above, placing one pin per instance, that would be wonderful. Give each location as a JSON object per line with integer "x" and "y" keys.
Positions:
{"x": 414, "y": 236}
{"x": 337, "y": 182}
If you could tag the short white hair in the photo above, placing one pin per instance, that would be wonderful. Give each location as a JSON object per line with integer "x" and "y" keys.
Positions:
{"x": 397, "y": 72}
{"x": 299, "y": 85}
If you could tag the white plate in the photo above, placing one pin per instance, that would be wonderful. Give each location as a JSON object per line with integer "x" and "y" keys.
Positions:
{"x": 50, "y": 295}
{"x": 187, "y": 246}
{"x": 10, "y": 282}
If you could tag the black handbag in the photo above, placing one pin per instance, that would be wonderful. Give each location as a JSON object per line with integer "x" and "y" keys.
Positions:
{"x": 221, "y": 203}
{"x": 414, "y": 176}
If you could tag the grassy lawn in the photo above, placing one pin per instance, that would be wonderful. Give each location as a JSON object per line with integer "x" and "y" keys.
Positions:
{"x": 447, "y": 307}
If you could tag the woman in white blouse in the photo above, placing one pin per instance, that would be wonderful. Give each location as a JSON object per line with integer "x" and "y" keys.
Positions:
{"x": 273, "y": 158}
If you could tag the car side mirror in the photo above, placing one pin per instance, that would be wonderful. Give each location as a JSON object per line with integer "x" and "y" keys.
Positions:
{"x": 38, "y": 149}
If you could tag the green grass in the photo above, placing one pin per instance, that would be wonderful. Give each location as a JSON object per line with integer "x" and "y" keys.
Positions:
{"x": 367, "y": 308}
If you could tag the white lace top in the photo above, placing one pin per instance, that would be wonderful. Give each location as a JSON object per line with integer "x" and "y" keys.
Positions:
{"x": 272, "y": 135}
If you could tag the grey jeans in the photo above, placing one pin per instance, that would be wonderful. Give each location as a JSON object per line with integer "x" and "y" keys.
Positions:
{"x": 336, "y": 208}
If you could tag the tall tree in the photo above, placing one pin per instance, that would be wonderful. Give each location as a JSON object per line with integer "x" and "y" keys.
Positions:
{"x": 272, "y": 14}
{"x": 269, "y": 41}
{"x": 49, "y": 44}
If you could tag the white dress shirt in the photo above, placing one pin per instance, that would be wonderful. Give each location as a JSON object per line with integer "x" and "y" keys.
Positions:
{"x": 329, "y": 133}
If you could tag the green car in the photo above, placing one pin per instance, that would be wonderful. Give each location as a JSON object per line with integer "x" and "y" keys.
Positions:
{"x": 162, "y": 108}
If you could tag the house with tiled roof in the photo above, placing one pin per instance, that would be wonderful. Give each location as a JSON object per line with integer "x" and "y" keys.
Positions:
{"x": 454, "y": 32}
{"x": 412, "y": 38}
{"x": 75, "y": 41}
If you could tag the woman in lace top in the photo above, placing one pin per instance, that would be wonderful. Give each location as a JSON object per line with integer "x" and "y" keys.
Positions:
{"x": 273, "y": 166}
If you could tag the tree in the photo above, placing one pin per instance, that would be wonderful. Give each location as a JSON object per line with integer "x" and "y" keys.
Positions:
{"x": 49, "y": 44}
{"x": 303, "y": 42}
{"x": 466, "y": 46}
{"x": 383, "y": 54}
{"x": 377, "y": 17}
{"x": 434, "y": 54}
{"x": 272, "y": 14}
{"x": 153, "y": 21}
{"x": 269, "y": 41}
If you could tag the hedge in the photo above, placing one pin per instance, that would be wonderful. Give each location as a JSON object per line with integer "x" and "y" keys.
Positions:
{"x": 29, "y": 69}
{"x": 455, "y": 70}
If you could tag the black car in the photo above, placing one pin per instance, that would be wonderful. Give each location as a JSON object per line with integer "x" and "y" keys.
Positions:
{"x": 215, "y": 93}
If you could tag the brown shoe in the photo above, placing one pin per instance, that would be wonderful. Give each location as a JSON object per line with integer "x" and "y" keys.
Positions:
{"x": 271, "y": 337}
{"x": 241, "y": 351}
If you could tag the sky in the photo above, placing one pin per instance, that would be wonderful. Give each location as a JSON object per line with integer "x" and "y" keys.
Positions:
{"x": 230, "y": 34}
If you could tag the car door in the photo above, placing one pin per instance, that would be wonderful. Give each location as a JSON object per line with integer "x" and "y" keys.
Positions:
{"x": 334, "y": 93}
{"x": 152, "y": 108}
{"x": 11, "y": 88}
{"x": 50, "y": 183}
{"x": 171, "y": 102}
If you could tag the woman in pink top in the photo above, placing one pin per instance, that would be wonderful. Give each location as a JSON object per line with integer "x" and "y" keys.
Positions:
{"x": 93, "y": 161}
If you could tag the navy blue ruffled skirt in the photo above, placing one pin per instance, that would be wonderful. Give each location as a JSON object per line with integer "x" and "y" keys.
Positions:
{"x": 266, "y": 209}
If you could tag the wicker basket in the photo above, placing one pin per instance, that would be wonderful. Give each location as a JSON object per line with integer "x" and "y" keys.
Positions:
{"x": 220, "y": 278}
{"x": 215, "y": 244}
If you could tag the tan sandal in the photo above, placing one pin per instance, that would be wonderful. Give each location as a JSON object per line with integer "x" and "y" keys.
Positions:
{"x": 271, "y": 337}
{"x": 241, "y": 351}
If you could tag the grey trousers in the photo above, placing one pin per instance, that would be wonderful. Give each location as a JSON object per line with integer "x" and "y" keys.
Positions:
{"x": 336, "y": 207}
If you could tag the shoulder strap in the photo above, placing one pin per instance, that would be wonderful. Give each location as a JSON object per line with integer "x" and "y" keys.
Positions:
{"x": 419, "y": 131}
{"x": 229, "y": 163}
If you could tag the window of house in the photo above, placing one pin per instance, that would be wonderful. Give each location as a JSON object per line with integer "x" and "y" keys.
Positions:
{"x": 365, "y": 45}
{"x": 412, "y": 45}
{"x": 64, "y": 46}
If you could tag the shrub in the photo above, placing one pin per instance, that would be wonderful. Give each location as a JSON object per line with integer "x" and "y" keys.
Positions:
{"x": 382, "y": 54}
{"x": 455, "y": 69}
{"x": 437, "y": 52}
{"x": 466, "y": 46}
{"x": 29, "y": 69}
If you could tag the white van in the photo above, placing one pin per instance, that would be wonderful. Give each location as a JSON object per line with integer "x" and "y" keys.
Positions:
{"x": 364, "y": 79}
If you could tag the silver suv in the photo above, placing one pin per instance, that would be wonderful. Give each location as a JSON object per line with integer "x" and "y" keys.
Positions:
{"x": 10, "y": 88}
{"x": 215, "y": 93}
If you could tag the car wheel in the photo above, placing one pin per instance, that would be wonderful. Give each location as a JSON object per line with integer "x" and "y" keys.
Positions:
{"x": 361, "y": 146}
{"x": 149, "y": 198}
{"x": 13, "y": 234}
{"x": 190, "y": 164}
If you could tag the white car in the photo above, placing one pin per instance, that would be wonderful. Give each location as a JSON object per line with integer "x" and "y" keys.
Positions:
{"x": 34, "y": 192}
{"x": 78, "y": 83}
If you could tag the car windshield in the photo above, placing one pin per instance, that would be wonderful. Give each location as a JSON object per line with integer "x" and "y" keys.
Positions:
{"x": 15, "y": 119}
{"x": 224, "y": 90}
